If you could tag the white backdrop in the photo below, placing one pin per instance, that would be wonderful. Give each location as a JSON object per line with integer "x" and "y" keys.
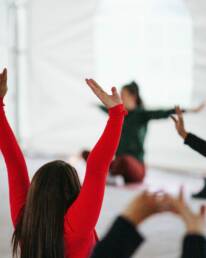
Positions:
{"x": 66, "y": 43}
{"x": 198, "y": 10}
{"x": 151, "y": 41}
{"x": 60, "y": 58}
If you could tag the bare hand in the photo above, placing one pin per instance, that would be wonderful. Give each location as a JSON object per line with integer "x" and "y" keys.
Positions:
{"x": 179, "y": 123}
{"x": 145, "y": 205}
{"x": 198, "y": 108}
{"x": 3, "y": 83}
{"x": 194, "y": 222}
{"x": 108, "y": 100}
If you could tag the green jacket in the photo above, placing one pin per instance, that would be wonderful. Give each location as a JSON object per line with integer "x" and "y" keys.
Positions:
{"x": 135, "y": 129}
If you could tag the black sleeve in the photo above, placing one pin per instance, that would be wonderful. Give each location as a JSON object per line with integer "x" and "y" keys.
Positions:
{"x": 196, "y": 144}
{"x": 120, "y": 242}
{"x": 194, "y": 246}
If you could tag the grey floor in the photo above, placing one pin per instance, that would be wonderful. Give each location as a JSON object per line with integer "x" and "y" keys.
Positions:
{"x": 163, "y": 233}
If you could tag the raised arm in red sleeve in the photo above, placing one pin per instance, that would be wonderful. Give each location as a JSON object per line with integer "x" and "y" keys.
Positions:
{"x": 16, "y": 166}
{"x": 82, "y": 216}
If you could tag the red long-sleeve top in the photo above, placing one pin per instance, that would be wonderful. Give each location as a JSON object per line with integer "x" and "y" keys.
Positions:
{"x": 81, "y": 218}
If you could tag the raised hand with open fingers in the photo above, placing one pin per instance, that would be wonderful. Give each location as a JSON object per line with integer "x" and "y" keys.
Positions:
{"x": 199, "y": 108}
{"x": 3, "y": 83}
{"x": 195, "y": 222}
{"x": 145, "y": 205}
{"x": 179, "y": 123}
{"x": 108, "y": 100}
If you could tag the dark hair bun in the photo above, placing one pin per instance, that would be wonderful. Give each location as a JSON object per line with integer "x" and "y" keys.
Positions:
{"x": 133, "y": 89}
{"x": 134, "y": 86}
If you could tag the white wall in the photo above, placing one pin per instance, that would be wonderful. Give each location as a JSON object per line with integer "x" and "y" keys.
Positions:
{"x": 58, "y": 115}
{"x": 147, "y": 41}
{"x": 3, "y": 34}
{"x": 198, "y": 9}
{"x": 61, "y": 57}
{"x": 67, "y": 45}
{"x": 6, "y": 55}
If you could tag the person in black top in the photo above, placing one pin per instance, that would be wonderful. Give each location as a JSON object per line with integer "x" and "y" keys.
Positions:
{"x": 123, "y": 239}
{"x": 193, "y": 141}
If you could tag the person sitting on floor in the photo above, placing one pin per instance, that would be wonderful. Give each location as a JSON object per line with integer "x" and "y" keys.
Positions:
{"x": 129, "y": 162}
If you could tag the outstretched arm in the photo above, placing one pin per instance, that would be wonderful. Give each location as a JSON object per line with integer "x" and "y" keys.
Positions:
{"x": 191, "y": 140}
{"x": 15, "y": 163}
{"x": 89, "y": 202}
{"x": 198, "y": 108}
{"x": 157, "y": 114}
{"x": 165, "y": 113}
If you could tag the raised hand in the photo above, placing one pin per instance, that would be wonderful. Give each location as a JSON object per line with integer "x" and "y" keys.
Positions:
{"x": 3, "y": 83}
{"x": 198, "y": 108}
{"x": 179, "y": 123}
{"x": 108, "y": 100}
{"x": 145, "y": 205}
{"x": 195, "y": 222}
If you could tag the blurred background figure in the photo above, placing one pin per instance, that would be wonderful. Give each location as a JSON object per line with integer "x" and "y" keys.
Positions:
{"x": 129, "y": 161}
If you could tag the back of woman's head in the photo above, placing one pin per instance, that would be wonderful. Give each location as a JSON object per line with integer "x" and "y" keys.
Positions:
{"x": 40, "y": 228}
{"x": 134, "y": 90}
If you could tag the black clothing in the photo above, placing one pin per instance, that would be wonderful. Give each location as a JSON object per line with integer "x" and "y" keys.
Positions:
{"x": 194, "y": 246}
{"x": 122, "y": 240}
{"x": 196, "y": 143}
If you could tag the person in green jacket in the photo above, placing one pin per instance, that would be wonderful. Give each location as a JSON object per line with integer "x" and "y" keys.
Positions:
{"x": 129, "y": 161}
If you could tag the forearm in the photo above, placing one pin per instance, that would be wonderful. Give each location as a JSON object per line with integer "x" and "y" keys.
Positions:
{"x": 196, "y": 143}
{"x": 194, "y": 246}
{"x": 103, "y": 152}
{"x": 90, "y": 200}
{"x": 159, "y": 114}
{"x": 120, "y": 242}
{"x": 16, "y": 166}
